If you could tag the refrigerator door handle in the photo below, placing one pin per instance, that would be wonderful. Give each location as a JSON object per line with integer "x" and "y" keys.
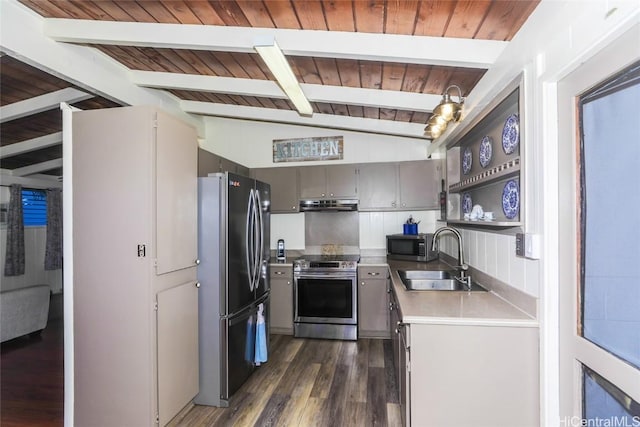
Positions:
{"x": 249, "y": 239}
{"x": 257, "y": 244}
{"x": 261, "y": 236}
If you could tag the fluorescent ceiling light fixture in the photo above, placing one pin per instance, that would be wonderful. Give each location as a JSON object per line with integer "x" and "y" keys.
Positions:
{"x": 279, "y": 67}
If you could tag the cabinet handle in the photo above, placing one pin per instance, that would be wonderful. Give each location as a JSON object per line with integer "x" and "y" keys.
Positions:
{"x": 197, "y": 284}
{"x": 288, "y": 282}
{"x": 393, "y": 204}
{"x": 362, "y": 283}
{"x": 197, "y": 261}
{"x": 331, "y": 195}
{"x": 293, "y": 208}
{"x": 372, "y": 273}
{"x": 322, "y": 195}
{"x": 279, "y": 273}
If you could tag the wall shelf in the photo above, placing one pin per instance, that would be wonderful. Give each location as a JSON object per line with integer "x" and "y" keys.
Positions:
{"x": 505, "y": 170}
{"x": 487, "y": 224}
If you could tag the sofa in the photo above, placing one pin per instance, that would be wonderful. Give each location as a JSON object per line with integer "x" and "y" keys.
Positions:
{"x": 23, "y": 311}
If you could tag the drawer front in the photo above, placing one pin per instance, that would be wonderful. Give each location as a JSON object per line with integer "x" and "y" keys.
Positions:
{"x": 281, "y": 272}
{"x": 366, "y": 273}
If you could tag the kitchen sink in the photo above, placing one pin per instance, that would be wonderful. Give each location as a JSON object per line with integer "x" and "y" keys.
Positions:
{"x": 434, "y": 280}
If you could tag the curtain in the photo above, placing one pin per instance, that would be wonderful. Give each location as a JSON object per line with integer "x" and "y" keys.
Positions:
{"x": 14, "y": 258}
{"x": 53, "y": 251}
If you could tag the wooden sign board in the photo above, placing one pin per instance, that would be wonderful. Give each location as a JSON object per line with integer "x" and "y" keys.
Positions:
{"x": 306, "y": 149}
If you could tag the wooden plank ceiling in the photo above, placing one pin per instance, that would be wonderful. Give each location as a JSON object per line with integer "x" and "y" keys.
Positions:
{"x": 478, "y": 20}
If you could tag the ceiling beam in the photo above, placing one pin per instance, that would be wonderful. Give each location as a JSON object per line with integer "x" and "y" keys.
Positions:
{"x": 455, "y": 52}
{"x": 270, "y": 89}
{"x": 358, "y": 124}
{"x": 37, "y": 181}
{"x": 31, "y": 145}
{"x": 37, "y": 167}
{"x": 41, "y": 103}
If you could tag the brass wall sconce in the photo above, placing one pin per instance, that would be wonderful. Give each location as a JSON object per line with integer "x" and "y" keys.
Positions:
{"x": 447, "y": 111}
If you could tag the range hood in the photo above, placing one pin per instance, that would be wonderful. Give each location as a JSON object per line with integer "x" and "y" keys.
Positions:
{"x": 333, "y": 205}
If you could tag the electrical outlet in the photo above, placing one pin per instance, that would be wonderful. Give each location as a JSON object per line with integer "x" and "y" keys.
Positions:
{"x": 528, "y": 245}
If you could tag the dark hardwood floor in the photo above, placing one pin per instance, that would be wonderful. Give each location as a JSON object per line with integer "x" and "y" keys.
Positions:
{"x": 32, "y": 379}
{"x": 306, "y": 382}
{"x": 310, "y": 382}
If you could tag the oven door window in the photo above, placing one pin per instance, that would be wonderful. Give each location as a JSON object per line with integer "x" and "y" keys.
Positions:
{"x": 327, "y": 298}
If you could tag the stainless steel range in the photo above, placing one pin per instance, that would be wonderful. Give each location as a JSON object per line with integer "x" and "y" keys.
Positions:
{"x": 325, "y": 296}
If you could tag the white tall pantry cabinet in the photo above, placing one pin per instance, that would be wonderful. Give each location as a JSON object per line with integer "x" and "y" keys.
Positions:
{"x": 135, "y": 256}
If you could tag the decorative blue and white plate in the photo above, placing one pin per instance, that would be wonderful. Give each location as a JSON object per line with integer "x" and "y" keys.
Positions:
{"x": 511, "y": 134}
{"x": 467, "y": 203}
{"x": 467, "y": 160}
{"x": 486, "y": 151}
{"x": 511, "y": 199}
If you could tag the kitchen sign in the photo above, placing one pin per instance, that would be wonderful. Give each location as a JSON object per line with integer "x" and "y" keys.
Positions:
{"x": 306, "y": 149}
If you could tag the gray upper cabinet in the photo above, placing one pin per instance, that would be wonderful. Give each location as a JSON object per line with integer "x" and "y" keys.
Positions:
{"x": 212, "y": 163}
{"x": 284, "y": 187}
{"x": 377, "y": 186}
{"x": 328, "y": 182}
{"x": 419, "y": 184}
{"x": 399, "y": 186}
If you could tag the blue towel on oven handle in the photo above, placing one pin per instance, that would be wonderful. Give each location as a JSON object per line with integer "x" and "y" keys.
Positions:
{"x": 261, "y": 337}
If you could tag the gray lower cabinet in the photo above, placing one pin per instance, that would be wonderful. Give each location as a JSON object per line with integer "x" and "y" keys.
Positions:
{"x": 490, "y": 371}
{"x": 373, "y": 303}
{"x": 328, "y": 182}
{"x": 284, "y": 187}
{"x": 135, "y": 294}
{"x": 281, "y": 320}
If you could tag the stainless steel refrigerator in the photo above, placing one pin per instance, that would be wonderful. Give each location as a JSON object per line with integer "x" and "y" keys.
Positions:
{"x": 233, "y": 247}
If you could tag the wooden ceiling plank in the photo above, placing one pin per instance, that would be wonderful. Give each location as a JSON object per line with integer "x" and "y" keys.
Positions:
{"x": 180, "y": 65}
{"x": 403, "y": 116}
{"x": 205, "y": 12}
{"x": 256, "y": 12}
{"x": 310, "y": 15}
{"x": 328, "y": 71}
{"x": 31, "y": 145}
{"x": 339, "y": 15}
{"x": 230, "y": 13}
{"x": 137, "y": 12}
{"x": 128, "y": 56}
{"x": 91, "y": 9}
{"x": 31, "y": 127}
{"x": 355, "y": 110}
{"x": 214, "y": 64}
{"x": 526, "y": 8}
{"x": 387, "y": 114}
{"x": 401, "y": 17}
{"x": 466, "y": 18}
{"x": 113, "y": 9}
{"x": 340, "y": 109}
{"x": 438, "y": 79}
{"x": 322, "y": 107}
{"x": 52, "y": 9}
{"x": 371, "y": 113}
{"x": 420, "y": 117}
{"x": 465, "y": 79}
{"x": 369, "y": 16}
{"x": 496, "y": 25}
{"x": 230, "y": 64}
{"x": 252, "y": 101}
{"x": 40, "y": 103}
{"x": 433, "y": 18}
{"x": 251, "y": 64}
{"x": 195, "y": 60}
{"x": 162, "y": 60}
{"x": 305, "y": 69}
{"x": 158, "y": 12}
{"x": 415, "y": 78}
{"x": 349, "y": 72}
{"x": 371, "y": 74}
{"x": 283, "y": 14}
{"x": 283, "y": 104}
{"x": 181, "y": 11}
{"x": 393, "y": 76}
{"x": 239, "y": 100}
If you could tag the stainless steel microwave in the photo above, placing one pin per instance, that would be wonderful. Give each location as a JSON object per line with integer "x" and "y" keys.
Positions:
{"x": 411, "y": 247}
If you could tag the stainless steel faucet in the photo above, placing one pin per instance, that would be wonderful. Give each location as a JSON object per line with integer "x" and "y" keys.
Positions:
{"x": 462, "y": 266}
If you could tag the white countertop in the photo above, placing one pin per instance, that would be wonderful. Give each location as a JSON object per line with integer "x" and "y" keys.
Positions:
{"x": 453, "y": 307}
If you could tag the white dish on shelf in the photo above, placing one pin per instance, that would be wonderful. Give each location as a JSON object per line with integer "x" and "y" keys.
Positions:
{"x": 511, "y": 199}
{"x": 511, "y": 134}
{"x": 467, "y": 161}
{"x": 486, "y": 151}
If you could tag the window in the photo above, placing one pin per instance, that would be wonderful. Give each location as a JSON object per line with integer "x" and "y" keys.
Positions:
{"x": 34, "y": 207}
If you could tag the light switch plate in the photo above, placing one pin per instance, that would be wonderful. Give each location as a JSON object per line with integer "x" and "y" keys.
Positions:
{"x": 528, "y": 245}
